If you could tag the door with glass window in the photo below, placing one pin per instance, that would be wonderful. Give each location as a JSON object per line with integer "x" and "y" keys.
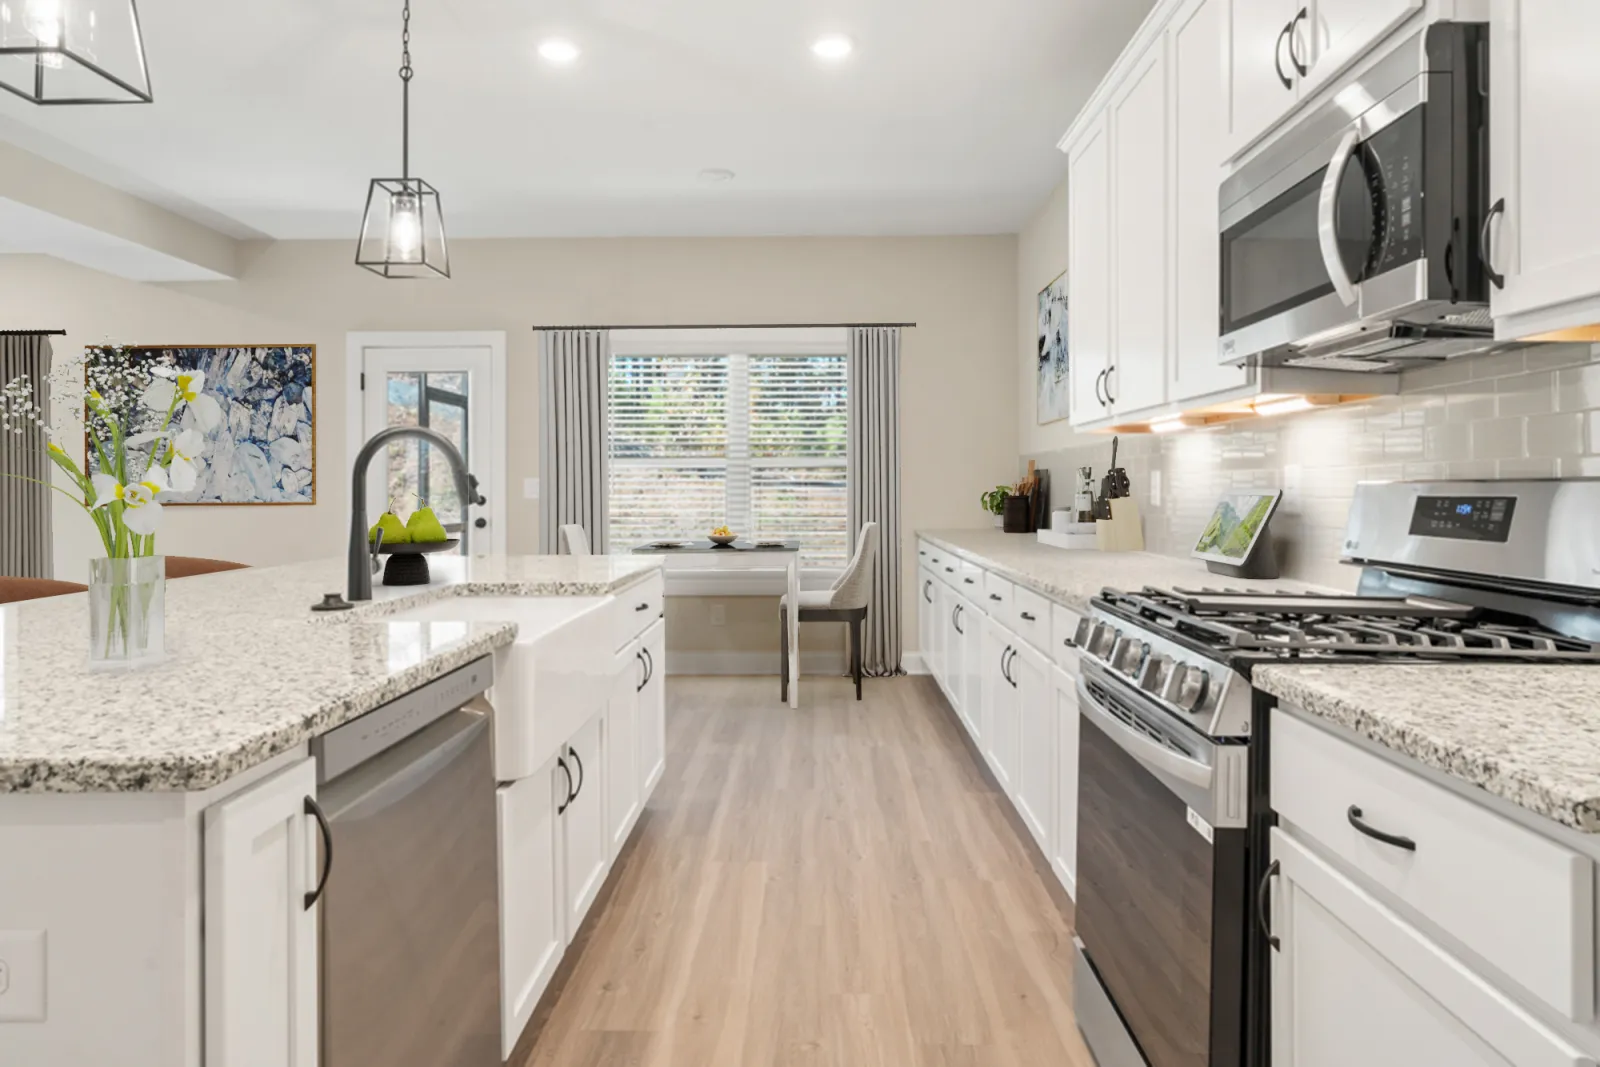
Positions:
{"x": 447, "y": 390}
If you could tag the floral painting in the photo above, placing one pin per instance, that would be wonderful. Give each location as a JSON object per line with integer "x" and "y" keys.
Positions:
{"x": 1054, "y": 378}
{"x": 245, "y": 428}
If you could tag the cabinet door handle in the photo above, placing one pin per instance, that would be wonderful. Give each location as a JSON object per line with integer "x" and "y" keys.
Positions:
{"x": 650, "y": 665}
{"x": 567, "y": 803}
{"x": 1354, "y": 815}
{"x": 1294, "y": 57}
{"x": 995, "y": 597}
{"x": 1003, "y": 672}
{"x": 1484, "y": 256}
{"x": 969, "y": 581}
{"x": 1027, "y": 616}
{"x": 1277, "y": 57}
{"x": 313, "y": 809}
{"x": 576, "y": 792}
{"x": 1098, "y": 395}
{"x": 1009, "y": 676}
{"x": 644, "y": 676}
{"x": 641, "y": 607}
{"x": 1110, "y": 400}
{"x": 1262, "y": 898}
{"x": 927, "y": 590}
{"x": 955, "y": 619}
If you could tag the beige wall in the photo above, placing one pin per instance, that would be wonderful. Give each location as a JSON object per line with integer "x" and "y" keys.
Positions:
{"x": 959, "y": 397}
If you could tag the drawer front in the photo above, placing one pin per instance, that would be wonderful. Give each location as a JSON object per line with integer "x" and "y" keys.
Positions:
{"x": 969, "y": 580}
{"x": 637, "y": 607}
{"x": 1030, "y": 617}
{"x": 1519, "y": 900}
{"x": 996, "y": 599}
{"x": 948, "y": 570}
{"x": 1063, "y": 633}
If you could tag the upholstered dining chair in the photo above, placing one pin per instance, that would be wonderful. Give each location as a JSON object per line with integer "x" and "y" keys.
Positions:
{"x": 194, "y": 566}
{"x": 574, "y": 540}
{"x": 845, "y": 601}
{"x": 14, "y": 590}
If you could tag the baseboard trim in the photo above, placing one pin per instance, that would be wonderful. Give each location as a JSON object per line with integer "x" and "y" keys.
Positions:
{"x": 914, "y": 663}
{"x": 751, "y": 663}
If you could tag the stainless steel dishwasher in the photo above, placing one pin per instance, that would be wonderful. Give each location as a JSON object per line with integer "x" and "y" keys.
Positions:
{"x": 410, "y": 939}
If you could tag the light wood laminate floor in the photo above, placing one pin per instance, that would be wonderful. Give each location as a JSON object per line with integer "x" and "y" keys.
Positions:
{"x": 839, "y": 885}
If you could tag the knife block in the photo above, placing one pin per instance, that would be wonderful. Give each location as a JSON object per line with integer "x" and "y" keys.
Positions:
{"x": 1123, "y": 532}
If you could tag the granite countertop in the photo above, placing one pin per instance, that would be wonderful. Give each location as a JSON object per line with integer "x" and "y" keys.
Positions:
{"x": 1527, "y": 733}
{"x": 251, "y": 671}
{"x": 1073, "y": 577}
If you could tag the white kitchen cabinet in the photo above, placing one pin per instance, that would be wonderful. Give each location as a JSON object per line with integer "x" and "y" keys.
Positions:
{"x": 971, "y": 653}
{"x": 1353, "y": 983}
{"x": 1002, "y": 744}
{"x": 941, "y": 635}
{"x": 1263, "y": 81}
{"x": 1196, "y": 106}
{"x": 1031, "y": 673}
{"x": 1341, "y": 31}
{"x": 927, "y": 621}
{"x": 964, "y": 622}
{"x": 621, "y": 747}
{"x": 260, "y": 848}
{"x": 653, "y": 710}
{"x": 1545, "y": 94}
{"x": 1089, "y": 269}
{"x": 585, "y": 840}
{"x": 532, "y": 911}
{"x": 1064, "y": 854}
{"x": 1139, "y": 255}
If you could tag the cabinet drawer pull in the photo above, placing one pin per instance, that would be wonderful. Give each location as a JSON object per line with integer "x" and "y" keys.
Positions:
{"x": 969, "y": 581}
{"x": 1354, "y": 815}
{"x": 313, "y": 809}
{"x": 1027, "y": 616}
{"x": 567, "y": 803}
{"x": 995, "y": 597}
{"x": 578, "y": 789}
{"x": 641, "y": 607}
{"x": 1294, "y": 56}
{"x": 949, "y": 570}
{"x": 1262, "y": 892}
{"x": 1484, "y": 257}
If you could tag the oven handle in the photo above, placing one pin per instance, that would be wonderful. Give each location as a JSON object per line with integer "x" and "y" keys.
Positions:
{"x": 1327, "y": 222}
{"x": 1141, "y": 747}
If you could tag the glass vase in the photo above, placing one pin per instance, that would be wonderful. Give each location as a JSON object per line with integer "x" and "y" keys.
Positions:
{"x": 127, "y": 610}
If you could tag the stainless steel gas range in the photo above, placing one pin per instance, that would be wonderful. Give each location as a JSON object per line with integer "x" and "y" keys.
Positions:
{"x": 1173, "y": 770}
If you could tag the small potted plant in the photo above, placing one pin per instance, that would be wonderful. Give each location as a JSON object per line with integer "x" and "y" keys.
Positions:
{"x": 994, "y": 502}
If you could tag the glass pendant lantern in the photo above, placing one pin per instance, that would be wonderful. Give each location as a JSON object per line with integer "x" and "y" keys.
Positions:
{"x": 73, "y": 52}
{"x": 402, "y": 232}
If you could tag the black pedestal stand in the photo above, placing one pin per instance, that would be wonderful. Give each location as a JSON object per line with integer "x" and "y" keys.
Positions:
{"x": 1262, "y": 562}
{"x": 406, "y": 570}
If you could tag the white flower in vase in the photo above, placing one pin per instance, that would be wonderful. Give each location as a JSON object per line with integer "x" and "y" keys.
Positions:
{"x": 141, "y": 511}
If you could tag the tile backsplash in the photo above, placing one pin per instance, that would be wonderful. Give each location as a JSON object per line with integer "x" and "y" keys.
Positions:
{"x": 1530, "y": 413}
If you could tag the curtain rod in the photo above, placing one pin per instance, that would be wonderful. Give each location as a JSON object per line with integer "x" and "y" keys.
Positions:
{"x": 33, "y": 333}
{"x": 739, "y": 326}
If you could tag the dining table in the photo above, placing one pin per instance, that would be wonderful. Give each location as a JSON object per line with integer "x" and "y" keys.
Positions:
{"x": 743, "y": 555}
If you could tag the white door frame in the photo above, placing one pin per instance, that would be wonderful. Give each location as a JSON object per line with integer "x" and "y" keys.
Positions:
{"x": 356, "y": 345}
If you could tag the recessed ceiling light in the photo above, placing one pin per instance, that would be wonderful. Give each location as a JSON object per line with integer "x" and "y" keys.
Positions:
{"x": 716, "y": 175}
{"x": 558, "y": 50}
{"x": 832, "y": 46}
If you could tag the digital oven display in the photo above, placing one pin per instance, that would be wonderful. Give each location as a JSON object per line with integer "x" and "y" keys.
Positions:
{"x": 1464, "y": 518}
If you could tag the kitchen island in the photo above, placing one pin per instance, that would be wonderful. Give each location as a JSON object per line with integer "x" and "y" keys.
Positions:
{"x": 154, "y": 909}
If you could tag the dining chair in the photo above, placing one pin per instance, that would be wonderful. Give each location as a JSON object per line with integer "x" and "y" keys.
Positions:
{"x": 845, "y": 601}
{"x": 574, "y": 540}
{"x": 194, "y": 566}
{"x": 14, "y": 590}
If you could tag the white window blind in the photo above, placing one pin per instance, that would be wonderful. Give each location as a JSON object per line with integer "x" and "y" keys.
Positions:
{"x": 754, "y": 441}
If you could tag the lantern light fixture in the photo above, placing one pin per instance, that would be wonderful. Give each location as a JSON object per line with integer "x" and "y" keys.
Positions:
{"x": 55, "y": 52}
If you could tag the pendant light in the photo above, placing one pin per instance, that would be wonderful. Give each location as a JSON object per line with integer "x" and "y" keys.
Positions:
{"x": 73, "y": 52}
{"x": 402, "y": 233}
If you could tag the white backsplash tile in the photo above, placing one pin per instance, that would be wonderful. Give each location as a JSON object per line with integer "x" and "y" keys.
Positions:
{"x": 1533, "y": 413}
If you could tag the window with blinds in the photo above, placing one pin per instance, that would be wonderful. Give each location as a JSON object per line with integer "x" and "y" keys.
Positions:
{"x": 756, "y": 442}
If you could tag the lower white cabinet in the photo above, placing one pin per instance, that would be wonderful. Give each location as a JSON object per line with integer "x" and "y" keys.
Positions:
{"x": 968, "y": 655}
{"x": 585, "y": 842}
{"x": 261, "y": 924}
{"x": 1031, "y": 675}
{"x": 1002, "y": 742}
{"x": 1064, "y": 856}
{"x": 927, "y": 620}
{"x": 622, "y": 777}
{"x": 1353, "y": 983}
{"x": 532, "y": 909}
{"x": 653, "y": 710}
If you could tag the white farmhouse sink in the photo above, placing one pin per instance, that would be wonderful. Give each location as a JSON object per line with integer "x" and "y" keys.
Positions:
{"x": 547, "y": 684}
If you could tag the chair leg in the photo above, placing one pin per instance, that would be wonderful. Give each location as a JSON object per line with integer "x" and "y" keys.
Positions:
{"x": 855, "y": 653}
{"x": 783, "y": 655}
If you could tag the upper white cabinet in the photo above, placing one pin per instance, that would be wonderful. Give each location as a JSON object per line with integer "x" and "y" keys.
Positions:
{"x": 1341, "y": 31}
{"x": 1138, "y": 372}
{"x": 1544, "y": 95}
{"x": 1089, "y": 269}
{"x": 261, "y": 924}
{"x": 1265, "y": 48}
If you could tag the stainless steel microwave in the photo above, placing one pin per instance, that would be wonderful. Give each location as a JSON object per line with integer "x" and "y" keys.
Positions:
{"x": 1353, "y": 240}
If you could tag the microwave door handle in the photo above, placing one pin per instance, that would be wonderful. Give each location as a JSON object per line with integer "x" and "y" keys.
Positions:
{"x": 1327, "y": 222}
{"x": 1154, "y": 756}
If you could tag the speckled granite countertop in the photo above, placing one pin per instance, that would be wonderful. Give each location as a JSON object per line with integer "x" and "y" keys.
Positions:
{"x": 251, "y": 672}
{"x": 1073, "y": 577}
{"x": 1527, "y": 733}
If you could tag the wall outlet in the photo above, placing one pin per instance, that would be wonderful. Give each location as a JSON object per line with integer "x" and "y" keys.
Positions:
{"x": 21, "y": 976}
{"x": 719, "y": 615}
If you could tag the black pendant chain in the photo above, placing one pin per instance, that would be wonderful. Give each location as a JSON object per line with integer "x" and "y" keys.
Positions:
{"x": 405, "y": 91}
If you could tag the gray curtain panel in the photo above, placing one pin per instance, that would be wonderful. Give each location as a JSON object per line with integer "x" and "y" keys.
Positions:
{"x": 875, "y": 484}
{"x": 573, "y": 365}
{"x": 25, "y": 550}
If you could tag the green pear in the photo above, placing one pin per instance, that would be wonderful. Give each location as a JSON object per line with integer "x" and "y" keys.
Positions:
{"x": 425, "y": 528}
{"x": 394, "y": 532}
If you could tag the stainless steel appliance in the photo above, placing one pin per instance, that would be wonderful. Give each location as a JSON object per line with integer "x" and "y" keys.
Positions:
{"x": 1173, "y": 776}
{"x": 410, "y": 940}
{"x": 1354, "y": 240}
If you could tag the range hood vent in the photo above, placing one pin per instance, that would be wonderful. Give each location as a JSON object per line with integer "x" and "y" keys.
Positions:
{"x": 1390, "y": 347}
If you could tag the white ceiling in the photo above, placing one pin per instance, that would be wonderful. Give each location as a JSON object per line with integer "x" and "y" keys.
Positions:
{"x": 271, "y": 115}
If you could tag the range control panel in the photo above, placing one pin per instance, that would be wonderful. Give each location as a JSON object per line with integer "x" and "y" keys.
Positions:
{"x": 1464, "y": 518}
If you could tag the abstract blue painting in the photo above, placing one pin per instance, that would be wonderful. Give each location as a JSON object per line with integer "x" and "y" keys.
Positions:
{"x": 262, "y": 450}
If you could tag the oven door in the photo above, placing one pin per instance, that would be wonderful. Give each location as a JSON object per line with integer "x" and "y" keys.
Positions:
{"x": 1162, "y": 902}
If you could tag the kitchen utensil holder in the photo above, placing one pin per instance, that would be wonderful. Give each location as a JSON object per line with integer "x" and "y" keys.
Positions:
{"x": 1123, "y": 532}
{"x": 1015, "y": 518}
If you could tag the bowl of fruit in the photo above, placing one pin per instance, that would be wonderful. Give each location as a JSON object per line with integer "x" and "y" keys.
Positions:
{"x": 723, "y": 536}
